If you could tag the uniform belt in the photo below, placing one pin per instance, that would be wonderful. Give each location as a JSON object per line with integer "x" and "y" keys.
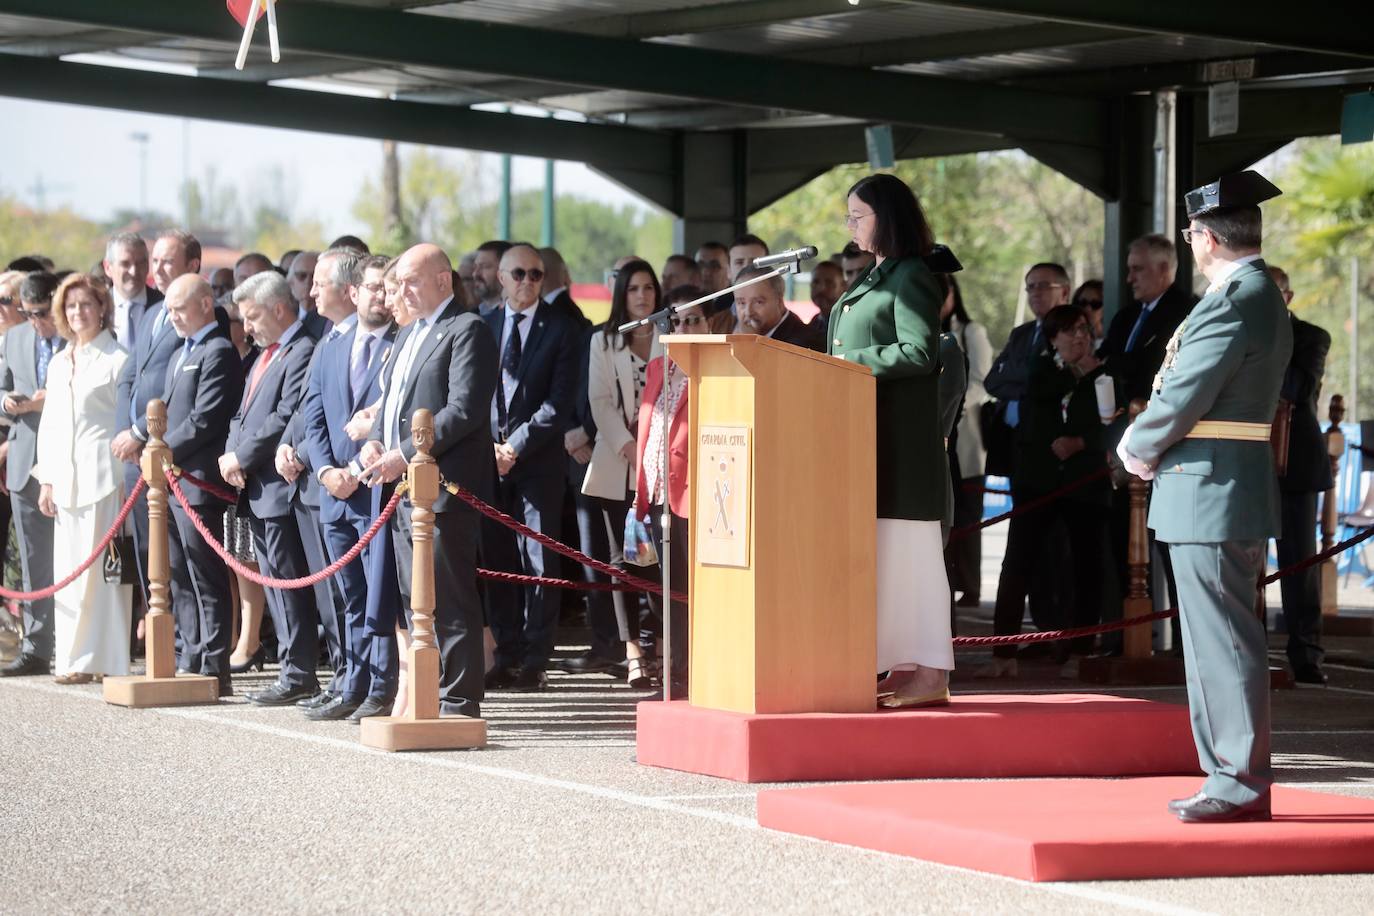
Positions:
{"x": 1236, "y": 430}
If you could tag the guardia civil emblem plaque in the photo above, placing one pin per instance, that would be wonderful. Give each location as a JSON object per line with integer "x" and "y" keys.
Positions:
{"x": 722, "y": 496}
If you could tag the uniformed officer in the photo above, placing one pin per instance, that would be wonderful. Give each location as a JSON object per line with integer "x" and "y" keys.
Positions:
{"x": 1204, "y": 440}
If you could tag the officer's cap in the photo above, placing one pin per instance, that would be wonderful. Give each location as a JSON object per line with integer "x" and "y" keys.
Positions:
{"x": 1242, "y": 189}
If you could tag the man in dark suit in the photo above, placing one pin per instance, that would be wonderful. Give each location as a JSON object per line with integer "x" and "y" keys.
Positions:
{"x": 761, "y": 310}
{"x": 445, "y": 362}
{"x": 556, "y": 289}
{"x": 1308, "y": 473}
{"x": 203, "y": 382}
{"x": 154, "y": 341}
{"x": 29, "y": 349}
{"x": 1134, "y": 347}
{"x": 126, "y": 266}
{"x": 529, "y": 415}
{"x": 272, "y": 396}
{"x": 345, "y": 376}
{"x": 1132, "y": 353}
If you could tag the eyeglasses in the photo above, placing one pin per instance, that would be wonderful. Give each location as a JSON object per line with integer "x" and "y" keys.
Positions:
{"x": 1093, "y": 304}
{"x": 6, "y": 301}
{"x": 374, "y": 288}
{"x": 518, "y": 274}
{"x": 36, "y": 314}
{"x": 851, "y": 221}
{"x": 1043, "y": 285}
{"x": 1189, "y": 233}
{"x": 687, "y": 321}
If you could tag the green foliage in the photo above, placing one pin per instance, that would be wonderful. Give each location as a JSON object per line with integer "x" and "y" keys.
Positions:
{"x": 70, "y": 240}
{"x": 1323, "y": 222}
{"x": 998, "y": 212}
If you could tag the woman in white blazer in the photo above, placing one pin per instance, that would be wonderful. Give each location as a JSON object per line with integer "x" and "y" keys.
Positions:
{"x": 963, "y": 558}
{"x": 81, "y": 482}
{"x": 615, "y": 381}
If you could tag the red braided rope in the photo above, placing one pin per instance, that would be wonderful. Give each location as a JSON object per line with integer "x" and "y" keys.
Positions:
{"x": 1054, "y": 635}
{"x": 519, "y": 579}
{"x": 267, "y": 581}
{"x": 638, "y": 584}
{"x": 1032, "y": 504}
{"x": 95, "y": 554}
{"x": 1318, "y": 559}
{"x": 228, "y": 496}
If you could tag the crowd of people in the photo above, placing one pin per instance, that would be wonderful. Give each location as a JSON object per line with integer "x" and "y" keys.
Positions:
{"x": 293, "y": 384}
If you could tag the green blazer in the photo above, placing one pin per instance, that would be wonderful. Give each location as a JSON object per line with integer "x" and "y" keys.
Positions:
{"x": 1059, "y": 403}
{"x": 1229, "y": 365}
{"x": 889, "y": 321}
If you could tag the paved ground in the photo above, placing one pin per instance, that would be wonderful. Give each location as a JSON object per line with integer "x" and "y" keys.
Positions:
{"x": 234, "y": 808}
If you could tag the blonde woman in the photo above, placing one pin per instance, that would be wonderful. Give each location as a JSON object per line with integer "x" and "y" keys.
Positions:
{"x": 81, "y": 481}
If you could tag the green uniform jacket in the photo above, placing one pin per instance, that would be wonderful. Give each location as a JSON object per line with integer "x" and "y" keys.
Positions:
{"x": 889, "y": 321}
{"x": 1229, "y": 365}
{"x": 1045, "y": 416}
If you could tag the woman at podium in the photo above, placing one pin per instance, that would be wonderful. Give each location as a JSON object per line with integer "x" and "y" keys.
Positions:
{"x": 889, "y": 321}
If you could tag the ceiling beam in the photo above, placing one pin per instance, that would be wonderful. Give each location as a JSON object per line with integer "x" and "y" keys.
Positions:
{"x": 1328, "y": 28}
{"x": 951, "y": 45}
{"x": 1271, "y": 65}
{"x": 713, "y": 17}
{"x": 91, "y": 41}
{"x": 387, "y": 38}
{"x": 606, "y": 146}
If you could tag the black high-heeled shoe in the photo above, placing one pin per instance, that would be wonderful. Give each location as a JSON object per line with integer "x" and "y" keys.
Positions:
{"x": 256, "y": 660}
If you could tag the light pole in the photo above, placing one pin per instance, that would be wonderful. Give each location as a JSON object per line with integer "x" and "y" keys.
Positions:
{"x": 141, "y": 139}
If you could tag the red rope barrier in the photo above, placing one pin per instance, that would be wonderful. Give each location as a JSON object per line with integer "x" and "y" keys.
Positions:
{"x": 1055, "y": 635}
{"x": 228, "y": 496}
{"x": 95, "y": 554}
{"x": 268, "y": 581}
{"x": 1318, "y": 559}
{"x": 519, "y": 579}
{"x": 1032, "y": 504}
{"x": 638, "y": 584}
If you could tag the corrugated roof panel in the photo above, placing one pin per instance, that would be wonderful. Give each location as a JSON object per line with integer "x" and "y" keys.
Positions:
{"x": 1128, "y": 52}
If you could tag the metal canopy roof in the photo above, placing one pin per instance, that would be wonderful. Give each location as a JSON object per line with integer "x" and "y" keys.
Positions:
{"x": 791, "y": 81}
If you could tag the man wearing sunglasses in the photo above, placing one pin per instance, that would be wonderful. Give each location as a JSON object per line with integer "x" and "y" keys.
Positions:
{"x": 29, "y": 350}
{"x": 535, "y": 395}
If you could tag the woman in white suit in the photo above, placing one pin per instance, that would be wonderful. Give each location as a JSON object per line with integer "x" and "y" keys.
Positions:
{"x": 615, "y": 381}
{"x": 82, "y": 481}
{"x": 963, "y": 557}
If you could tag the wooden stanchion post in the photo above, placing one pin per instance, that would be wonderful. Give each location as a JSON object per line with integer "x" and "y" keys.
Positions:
{"x": 1138, "y": 664}
{"x": 160, "y": 686}
{"x": 422, "y": 728}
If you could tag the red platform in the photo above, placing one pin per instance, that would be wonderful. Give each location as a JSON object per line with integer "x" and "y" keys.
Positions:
{"x": 1078, "y": 829}
{"x": 975, "y": 736}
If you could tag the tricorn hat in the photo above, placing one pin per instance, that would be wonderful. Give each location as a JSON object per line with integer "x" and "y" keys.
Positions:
{"x": 1242, "y": 189}
{"x": 941, "y": 260}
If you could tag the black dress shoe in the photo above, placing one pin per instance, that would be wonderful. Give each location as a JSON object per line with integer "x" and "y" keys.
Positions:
{"x": 280, "y": 695}
{"x": 316, "y": 700}
{"x": 332, "y": 712}
{"x": 499, "y": 678}
{"x": 1178, "y": 804}
{"x": 530, "y": 679}
{"x": 586, "y": 663}
{"x": 1311, "y": 675}
{"x": 1215, "y": 811}
{"x": 372, "y": 706}
{"x": 26, "y": 664}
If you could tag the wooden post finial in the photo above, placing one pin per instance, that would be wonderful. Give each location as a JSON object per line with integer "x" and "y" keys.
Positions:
{"x": 424, "y": 490}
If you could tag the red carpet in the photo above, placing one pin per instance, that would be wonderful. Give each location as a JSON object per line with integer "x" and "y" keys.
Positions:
{"x": 1079, "y": 829}
{"x": 975, "y": 736}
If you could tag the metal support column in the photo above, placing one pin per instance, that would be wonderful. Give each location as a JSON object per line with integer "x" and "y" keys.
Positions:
{"x": 712, "y": 199}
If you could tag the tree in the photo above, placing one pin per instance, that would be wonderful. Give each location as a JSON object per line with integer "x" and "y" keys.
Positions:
{"x": 72, "y": 241}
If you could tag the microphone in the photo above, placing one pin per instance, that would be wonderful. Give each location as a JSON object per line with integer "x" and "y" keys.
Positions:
{"x": 784, "y": 257}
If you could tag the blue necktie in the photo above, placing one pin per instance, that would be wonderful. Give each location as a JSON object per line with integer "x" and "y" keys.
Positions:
{"x": 1135, "y": 331}
{"x": 45, "y": 352}
{"x": 357, "y": 373}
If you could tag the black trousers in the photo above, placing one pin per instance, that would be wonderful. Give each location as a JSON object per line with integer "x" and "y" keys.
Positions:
{"x": 524, "y": 620}
{"x": 680, "y": 575}
{"x": 1086, "y": 528}
{"x": 1302, "y": 605}
{"x": 201, "y": 603}
{"x": 329, "y": 605}
{"x": 281, "y": 556}
{"x": 457, "y": 606}
{"x": 600, "y": 542}
{"x": 964, "y": 555}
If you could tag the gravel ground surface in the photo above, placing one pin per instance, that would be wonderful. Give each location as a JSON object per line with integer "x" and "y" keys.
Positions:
{"x": 234, "y": 808}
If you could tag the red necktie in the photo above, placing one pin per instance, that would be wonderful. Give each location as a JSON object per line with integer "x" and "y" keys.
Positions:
{"x": 260, "y": 369}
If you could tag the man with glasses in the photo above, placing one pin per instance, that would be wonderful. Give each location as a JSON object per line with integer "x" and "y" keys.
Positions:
{"x": 29, "y": 350}
{"x": 531, "y": 408}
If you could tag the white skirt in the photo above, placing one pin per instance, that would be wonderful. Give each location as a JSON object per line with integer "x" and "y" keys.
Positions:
{"x": 91, "y": 617}
{"x": 913, "y": 596}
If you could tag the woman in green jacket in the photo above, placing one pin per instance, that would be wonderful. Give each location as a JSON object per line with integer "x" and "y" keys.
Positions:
{"x": 889, "y": 321}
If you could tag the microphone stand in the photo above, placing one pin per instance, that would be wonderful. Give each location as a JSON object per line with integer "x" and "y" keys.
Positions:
{"x": 663, "y": 320}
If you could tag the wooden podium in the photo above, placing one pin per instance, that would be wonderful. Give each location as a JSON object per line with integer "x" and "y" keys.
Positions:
{"x": 783, "y": 500}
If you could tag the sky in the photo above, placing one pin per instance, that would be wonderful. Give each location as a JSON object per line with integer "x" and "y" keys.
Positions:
{"x": 85, "y": 158}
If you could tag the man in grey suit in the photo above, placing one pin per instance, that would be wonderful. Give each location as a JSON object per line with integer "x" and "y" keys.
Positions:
{"x": 445, "y": 361}
{"x": 272, "y": 395}
{"x": 29, "y": 348}
{"x": 1204, "y": 440}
